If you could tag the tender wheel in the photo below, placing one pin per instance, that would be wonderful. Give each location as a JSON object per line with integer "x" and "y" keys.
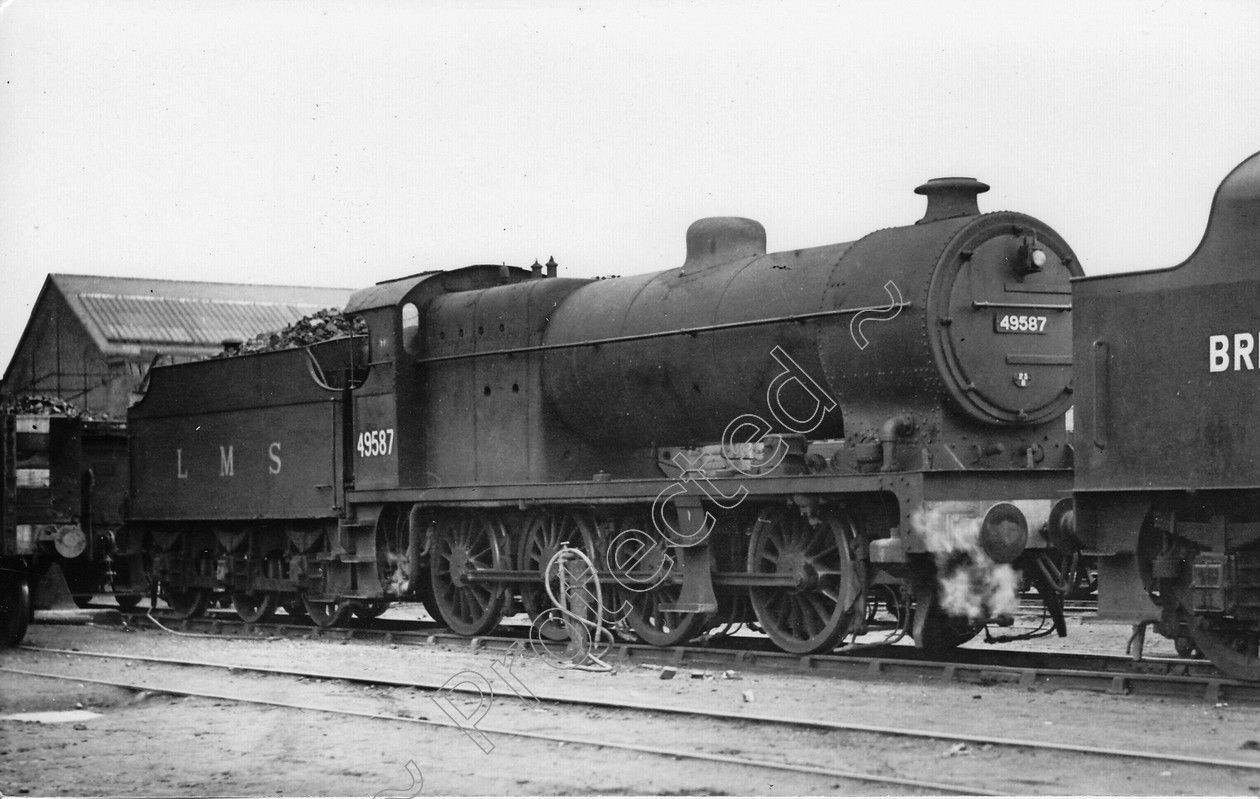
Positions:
{"x": 253, "y": 607}
{"x": 462, "y": 545}
{"x": 1232, "y": 651}
{"x": 328, "y": 614}
{"x": 128, "y": 601}
{"x": 813, "y": 615}
{"x": 1231, "y": 646}
{"x": 192, "y": 602}
{"x": 371, "y": 608}
{"x": 15, "y": 608}
{"x": 546, "y": 534}
{"x": 188, "y": 604}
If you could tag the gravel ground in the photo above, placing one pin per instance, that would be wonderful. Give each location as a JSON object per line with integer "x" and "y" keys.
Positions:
{"x": 154, "y": 743}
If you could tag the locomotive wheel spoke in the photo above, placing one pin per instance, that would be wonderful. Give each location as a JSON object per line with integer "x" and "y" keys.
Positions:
{"x": 544, "y": 535}
{"x": 653, "y": 625}
{"x": 462, "y": 545}
{"x": 814, "y": 615}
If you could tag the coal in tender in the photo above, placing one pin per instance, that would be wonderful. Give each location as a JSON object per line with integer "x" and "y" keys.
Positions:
{"x": 319, "y": 326}
{"x": 32, "y": 405}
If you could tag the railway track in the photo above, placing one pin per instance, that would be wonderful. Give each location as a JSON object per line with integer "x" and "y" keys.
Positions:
{"x": 1164, "y": 677}
{"x": 1005, "y": 749}
{"x": 178, "y": 689}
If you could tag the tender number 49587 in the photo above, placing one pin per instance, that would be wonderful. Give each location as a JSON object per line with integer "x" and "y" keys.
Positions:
{"x": 376, "y": 442}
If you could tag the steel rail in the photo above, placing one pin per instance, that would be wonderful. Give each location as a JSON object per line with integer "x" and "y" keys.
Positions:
{"x": 1087, "y": 671}
{"x": 619, "y": 704}
{"x": 591, "y": 742}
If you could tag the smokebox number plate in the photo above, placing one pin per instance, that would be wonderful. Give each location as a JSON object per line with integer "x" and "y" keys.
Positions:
{"x": 1019, "y": 323}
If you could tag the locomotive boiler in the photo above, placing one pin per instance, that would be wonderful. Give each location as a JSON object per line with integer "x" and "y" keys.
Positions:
{"x": 782, "y": 436}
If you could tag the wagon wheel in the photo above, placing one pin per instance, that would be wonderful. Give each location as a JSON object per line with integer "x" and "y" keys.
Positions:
{"x": 393, "y": 551}
{"x": 253, "y": 606}
{"x": 814, "y": 614}
{"x": 15, "y": 608}
{"x": 646, "y": 618}
{"x": 328, "y": 613}
{"x": 370, "y": 608}
{"x": 544, "y": 535}
{"x": 192, "y": 602}
{"x": 464, "y": 544}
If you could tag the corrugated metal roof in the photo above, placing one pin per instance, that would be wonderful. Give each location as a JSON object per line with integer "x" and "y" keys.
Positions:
{"x": 125, "y": 313}
{"x": 167, "y": 320}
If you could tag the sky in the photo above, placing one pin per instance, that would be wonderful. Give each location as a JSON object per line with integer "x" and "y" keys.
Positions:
{"x": 338, "y": 143}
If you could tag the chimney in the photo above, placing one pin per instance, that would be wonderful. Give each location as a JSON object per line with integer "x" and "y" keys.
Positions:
{"x": 950, "y": 197}
{"x": 551, "y": 266}
{"x": 535, "y": 269}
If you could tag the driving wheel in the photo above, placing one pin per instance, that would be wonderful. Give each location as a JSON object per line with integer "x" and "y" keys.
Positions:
{"x": 464, "y": 544}
{"x": 812, "y": 615}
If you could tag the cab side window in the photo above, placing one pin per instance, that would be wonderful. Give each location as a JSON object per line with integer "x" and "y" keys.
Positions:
{"x": 411, "y": 328}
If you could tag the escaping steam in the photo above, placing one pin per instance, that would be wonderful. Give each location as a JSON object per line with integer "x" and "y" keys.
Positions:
{"x": 971, "y": 584}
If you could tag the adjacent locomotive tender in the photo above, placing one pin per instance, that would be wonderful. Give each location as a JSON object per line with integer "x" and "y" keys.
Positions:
{"x": 64, "y": 482}
{"x": 1168, "y": 443}
{"x": 799, "y": 434}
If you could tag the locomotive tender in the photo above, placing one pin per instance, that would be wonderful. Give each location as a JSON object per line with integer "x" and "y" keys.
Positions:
{"x": 791, "y": 435}
{"x": 1167, "y": 473}
{"x": 64, "y": 483}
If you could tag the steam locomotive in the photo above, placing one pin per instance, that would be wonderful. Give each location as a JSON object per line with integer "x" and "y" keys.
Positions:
{"x": 780, "y": 438}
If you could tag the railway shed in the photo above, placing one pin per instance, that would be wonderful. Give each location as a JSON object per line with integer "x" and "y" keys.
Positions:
{"x": 91, "y": 340}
